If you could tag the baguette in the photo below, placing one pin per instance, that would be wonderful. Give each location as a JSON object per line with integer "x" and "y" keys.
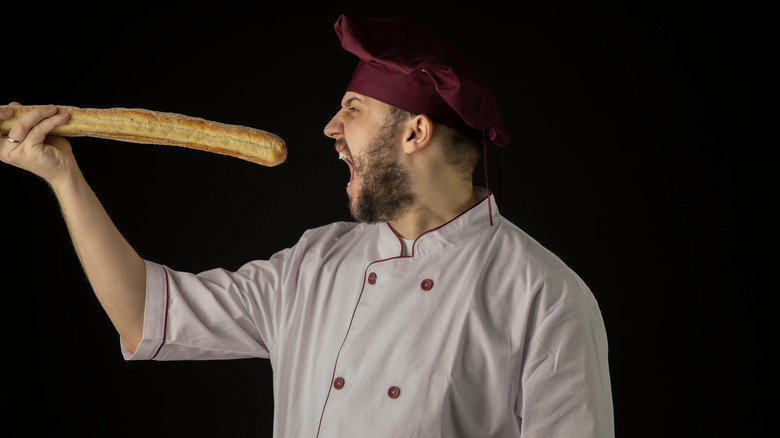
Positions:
{"x": 162, "y": 128}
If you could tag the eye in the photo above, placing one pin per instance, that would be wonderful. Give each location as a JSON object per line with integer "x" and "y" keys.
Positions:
{"x": 350, "y": 111}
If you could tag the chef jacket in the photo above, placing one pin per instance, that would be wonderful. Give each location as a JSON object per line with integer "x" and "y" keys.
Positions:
{"x": 478, "y": 332}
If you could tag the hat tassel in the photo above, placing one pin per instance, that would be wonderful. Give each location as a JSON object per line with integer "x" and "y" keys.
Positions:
{"x": 487, "y": 178}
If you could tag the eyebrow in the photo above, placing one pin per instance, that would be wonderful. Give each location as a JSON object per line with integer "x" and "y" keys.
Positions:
{"x": 348, "y": 102}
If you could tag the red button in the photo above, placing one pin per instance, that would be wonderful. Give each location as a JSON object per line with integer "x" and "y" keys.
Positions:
{"x": 338, "y": 383}
{"x": 393, "y": 392}
{"x": 426, "y": 284}
{"x": 371, "y": 278}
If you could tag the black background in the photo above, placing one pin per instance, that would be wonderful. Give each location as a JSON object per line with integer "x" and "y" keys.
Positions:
{"x": 639, "y": 138}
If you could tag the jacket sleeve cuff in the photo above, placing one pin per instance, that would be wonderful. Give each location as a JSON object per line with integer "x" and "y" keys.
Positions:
{"x": 155, "y": 314}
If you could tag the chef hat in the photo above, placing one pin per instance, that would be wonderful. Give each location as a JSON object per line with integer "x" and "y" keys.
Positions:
{"x": 408, "y": 67}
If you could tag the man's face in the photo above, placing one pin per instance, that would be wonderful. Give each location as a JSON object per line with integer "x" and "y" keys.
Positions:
{"x": 379, "y": 187}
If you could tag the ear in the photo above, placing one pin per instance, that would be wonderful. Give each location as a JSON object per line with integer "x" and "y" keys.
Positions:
{"x": 418, "y": 132}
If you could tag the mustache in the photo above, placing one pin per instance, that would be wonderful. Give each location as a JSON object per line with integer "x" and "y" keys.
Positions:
{"x": 342, "y": 146}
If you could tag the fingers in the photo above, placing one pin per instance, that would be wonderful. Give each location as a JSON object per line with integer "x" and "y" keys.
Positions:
{"x": 6, "y": 113}
{"x": 41, "y": 130}
{"x": 28, "y": 147}
{"x": 33, "y": 127}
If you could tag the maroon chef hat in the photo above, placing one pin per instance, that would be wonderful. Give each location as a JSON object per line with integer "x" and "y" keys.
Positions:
{"x": 408, "y": 67}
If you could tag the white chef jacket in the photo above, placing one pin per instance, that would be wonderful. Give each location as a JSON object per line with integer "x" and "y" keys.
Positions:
{"x": 479, "y": 332}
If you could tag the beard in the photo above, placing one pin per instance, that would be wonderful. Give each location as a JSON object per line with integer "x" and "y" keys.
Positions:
{"x": 385, "y": 190}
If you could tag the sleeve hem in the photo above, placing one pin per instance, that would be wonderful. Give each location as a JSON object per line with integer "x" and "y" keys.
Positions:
{"x": 155, "y": 314}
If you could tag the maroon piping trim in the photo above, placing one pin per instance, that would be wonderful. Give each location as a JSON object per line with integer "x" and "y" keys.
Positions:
{"x": 363, "y": 288}
{"x": 400, "y": 240}
{"x": 165, "y": 315}
{"x": 354, "y": 311}
{"x": 414, "y": 245}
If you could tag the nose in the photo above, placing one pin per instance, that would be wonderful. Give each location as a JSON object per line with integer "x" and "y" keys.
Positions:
{"x": 335, "y": 128}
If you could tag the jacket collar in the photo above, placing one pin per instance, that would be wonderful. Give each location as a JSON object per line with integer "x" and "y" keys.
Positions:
{"x": 471, "y": 221}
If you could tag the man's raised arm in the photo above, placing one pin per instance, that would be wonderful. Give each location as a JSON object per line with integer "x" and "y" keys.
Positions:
{"x": 115, "y": 271}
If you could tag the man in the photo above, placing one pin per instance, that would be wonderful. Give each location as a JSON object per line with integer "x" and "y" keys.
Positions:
{"x": 431, "y": 316}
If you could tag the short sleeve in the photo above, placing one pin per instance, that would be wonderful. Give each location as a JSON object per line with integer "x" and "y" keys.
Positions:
{"x": 216, "y": 314}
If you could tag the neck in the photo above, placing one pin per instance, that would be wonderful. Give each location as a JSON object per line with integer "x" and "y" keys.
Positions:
{"x": 434, "y": 209}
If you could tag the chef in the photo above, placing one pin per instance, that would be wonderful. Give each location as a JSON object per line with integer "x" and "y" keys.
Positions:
{"x": 430, "y": 315}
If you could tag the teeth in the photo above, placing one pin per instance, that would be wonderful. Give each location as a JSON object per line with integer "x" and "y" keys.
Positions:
{"x": 343, "y": 156}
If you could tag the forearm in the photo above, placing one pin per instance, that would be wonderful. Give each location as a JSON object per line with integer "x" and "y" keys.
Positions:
{"x": 117, "y": 274}
{"x": 115, "y": 271}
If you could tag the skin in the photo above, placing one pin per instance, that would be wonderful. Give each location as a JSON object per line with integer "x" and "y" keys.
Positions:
{"x": 433, "y": 192}
{"x": 440, "y": 192}
{"x": 385, "y": 186}
{"x": 115, "y": 271}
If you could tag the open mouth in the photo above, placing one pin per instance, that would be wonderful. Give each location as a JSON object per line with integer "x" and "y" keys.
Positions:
{"x": 343, "y": 156}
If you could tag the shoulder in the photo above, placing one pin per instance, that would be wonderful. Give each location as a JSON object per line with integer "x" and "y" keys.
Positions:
{"x": 328, "y": 237}
{"x": 329, "y": 233}
{"x": 541, "y": 270}
{"x": 544, "y": 288}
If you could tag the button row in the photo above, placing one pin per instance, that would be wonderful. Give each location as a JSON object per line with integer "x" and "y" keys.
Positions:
{"x": 393, "y": 392}
{"x": 426, "y": 284}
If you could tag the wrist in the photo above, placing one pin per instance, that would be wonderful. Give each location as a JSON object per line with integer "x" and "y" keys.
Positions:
{"x": 66, "y": 181}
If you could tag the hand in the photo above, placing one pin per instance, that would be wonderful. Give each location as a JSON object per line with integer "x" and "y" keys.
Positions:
{"x": 30, "y": 147}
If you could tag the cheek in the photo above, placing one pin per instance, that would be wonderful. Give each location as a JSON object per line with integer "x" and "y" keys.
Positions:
{"x": 358, "y": 135}
{"x": 355, "y": 145}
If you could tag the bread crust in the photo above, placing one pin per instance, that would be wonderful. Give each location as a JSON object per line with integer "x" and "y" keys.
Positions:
{"x": 137, "y": 125}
